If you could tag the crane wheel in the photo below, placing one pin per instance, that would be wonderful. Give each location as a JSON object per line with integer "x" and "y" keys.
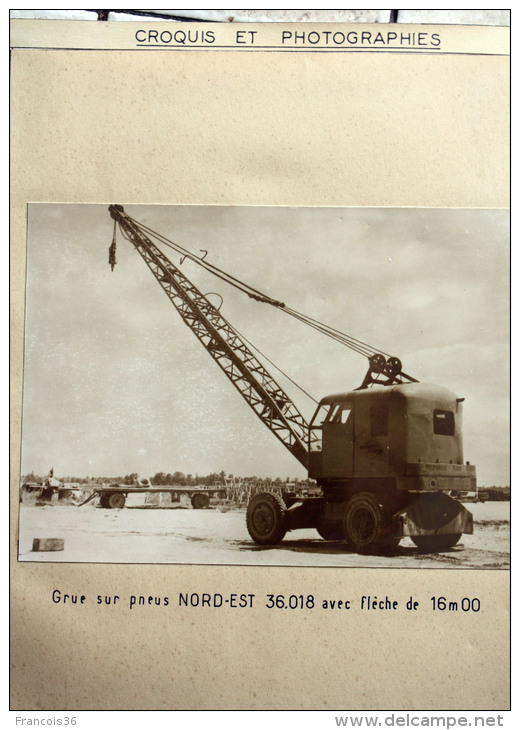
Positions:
{"x": 265, "y": 518}
{"x": 434, "y": 543}
{"x": 200, "y": 501}
{"x": 367, "y": 524}
{"x": 116, "y": 501}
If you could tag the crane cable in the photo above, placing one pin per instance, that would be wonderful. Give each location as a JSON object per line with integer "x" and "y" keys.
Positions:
{"x": 237, "y": 332}
{"x": 254, "y": 347}
{"x": 219, "y": 273}
{"x": 344, "y": 339}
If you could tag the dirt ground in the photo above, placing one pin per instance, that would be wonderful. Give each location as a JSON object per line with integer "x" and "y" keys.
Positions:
{"x": 141, "y": 533}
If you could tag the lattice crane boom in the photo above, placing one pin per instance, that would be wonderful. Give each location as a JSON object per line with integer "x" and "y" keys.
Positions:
{"x": 227, "y": 348}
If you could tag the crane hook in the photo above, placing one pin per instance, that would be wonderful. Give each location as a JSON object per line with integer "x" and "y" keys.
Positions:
{"x": 202, "y": 250}
{"x": 112, "y": 250}
{"x": 217, "y": 295}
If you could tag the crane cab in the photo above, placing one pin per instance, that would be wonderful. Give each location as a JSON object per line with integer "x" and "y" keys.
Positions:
{"x": 406, "y": 436}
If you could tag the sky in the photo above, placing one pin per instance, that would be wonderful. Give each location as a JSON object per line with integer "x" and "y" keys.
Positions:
{"x": 115, "y": 383}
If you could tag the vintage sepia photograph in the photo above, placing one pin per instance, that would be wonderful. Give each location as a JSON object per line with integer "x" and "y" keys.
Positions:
{"x": 341, "y": 400}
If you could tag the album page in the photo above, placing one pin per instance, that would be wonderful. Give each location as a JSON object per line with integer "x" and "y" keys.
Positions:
{"x": 305, "y": 506}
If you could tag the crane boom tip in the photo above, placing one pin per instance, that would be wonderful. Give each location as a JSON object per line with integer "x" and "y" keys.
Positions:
{"x": 116, "y": 211}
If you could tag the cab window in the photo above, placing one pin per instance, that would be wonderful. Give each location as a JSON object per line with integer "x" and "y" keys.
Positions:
{"x": 315, "y": 430}
{"x": 443, "y": 422}
{"x": 340, "y": 413}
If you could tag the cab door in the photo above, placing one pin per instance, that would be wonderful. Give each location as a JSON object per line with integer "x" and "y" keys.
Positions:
{"x": 372, "y": 452}
{"x": 338, "y": 437}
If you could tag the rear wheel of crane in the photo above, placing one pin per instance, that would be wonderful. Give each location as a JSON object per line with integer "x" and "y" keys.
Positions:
{"x": 200, "y": 501}
{"x": 367, "y": 525}
{"x": 434, "y": 543}
{"x": 116, "y": 501}
{"x": 265, "y": 518}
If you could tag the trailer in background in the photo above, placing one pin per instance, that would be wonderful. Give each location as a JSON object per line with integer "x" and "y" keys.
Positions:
{"x": 115, "y": 495}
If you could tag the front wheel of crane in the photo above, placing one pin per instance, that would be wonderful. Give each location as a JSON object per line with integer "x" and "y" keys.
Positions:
{"x": 367, "y": 525}
{"x": 265, "y": 518}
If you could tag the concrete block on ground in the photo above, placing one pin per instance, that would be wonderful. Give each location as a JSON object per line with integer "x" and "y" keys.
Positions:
{"x": 47, "y": 544}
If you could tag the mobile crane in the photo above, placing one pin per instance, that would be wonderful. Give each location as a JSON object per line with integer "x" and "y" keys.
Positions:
{"x": 387, "y": 456}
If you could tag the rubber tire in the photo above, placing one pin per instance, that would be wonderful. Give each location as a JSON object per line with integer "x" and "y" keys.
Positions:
{"x": 265, "y": 518}
{"x": 116, "y": 501}
{"x": 200, "y": 501}
{"x": 367, "y": 525}
{"x": 103, "y": 501}
{"x": 436, "y": 543}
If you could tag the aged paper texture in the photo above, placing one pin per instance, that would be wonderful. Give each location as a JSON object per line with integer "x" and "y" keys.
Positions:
{"x": 251, "y": 126}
